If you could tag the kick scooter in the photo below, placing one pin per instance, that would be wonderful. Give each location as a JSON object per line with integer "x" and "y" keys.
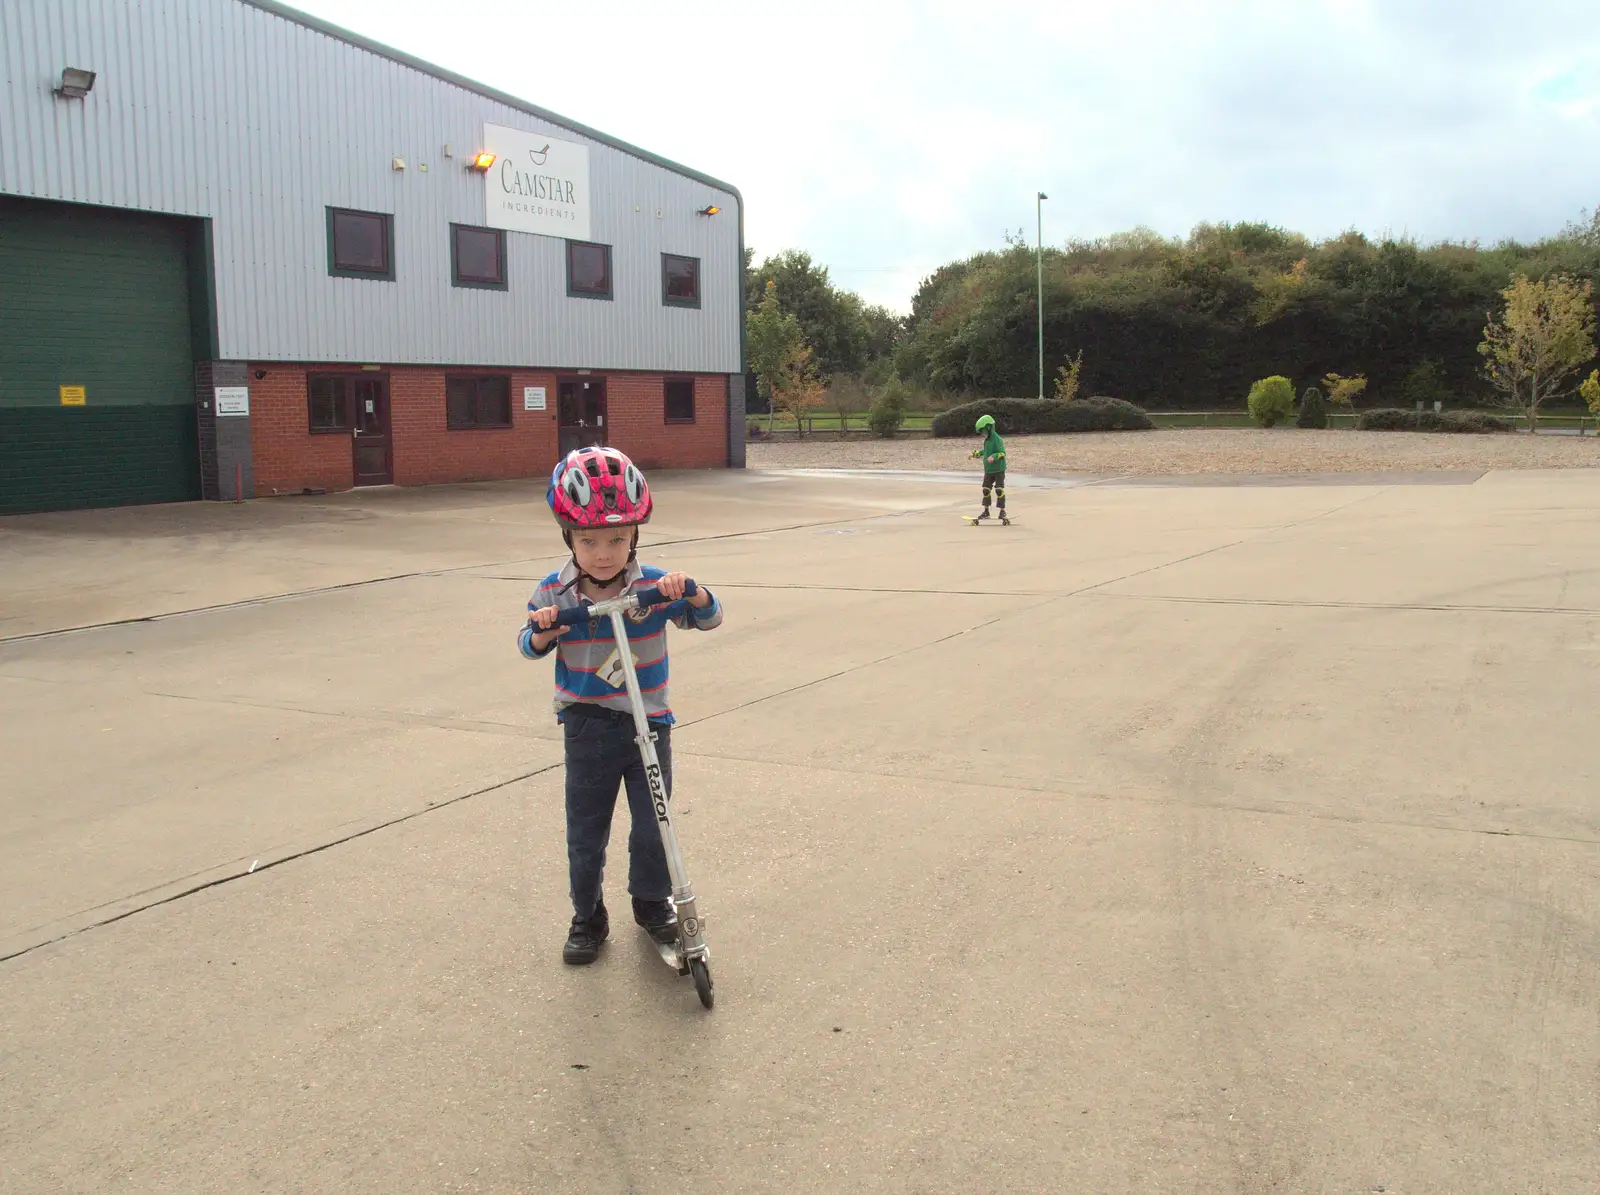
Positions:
{"x": 689, "y": 955}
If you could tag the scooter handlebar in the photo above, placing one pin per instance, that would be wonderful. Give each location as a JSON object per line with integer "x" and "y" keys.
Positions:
{"x": 643, "y": 599}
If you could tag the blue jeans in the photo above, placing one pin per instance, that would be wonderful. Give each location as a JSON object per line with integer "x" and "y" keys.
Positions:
{"x": 601, "y": 757}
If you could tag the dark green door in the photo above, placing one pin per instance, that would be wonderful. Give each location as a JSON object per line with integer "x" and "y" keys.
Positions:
{"x": 95, "y": 299}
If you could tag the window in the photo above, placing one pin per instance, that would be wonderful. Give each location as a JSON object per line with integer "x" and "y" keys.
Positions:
{"x": 473, "y": 402}
{"x": 477, "y": 257}
{"x": 680, "y": 280}
{"x": 329, "y": 410}
{"x": 680, "y": 400}
{"x": 345, "y": 402}
{"x": 360, "y": 244}
{"x": 588, "y": 270}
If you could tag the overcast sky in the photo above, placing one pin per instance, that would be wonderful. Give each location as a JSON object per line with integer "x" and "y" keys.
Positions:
{"x": 887, "y": 137}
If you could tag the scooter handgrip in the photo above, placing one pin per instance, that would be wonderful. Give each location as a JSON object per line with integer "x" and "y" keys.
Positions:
{"x": 652, "y": 596}
{"x": 573, "y": 616}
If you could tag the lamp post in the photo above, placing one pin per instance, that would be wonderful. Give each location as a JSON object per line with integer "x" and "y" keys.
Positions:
{"x": 1039, "y": 254}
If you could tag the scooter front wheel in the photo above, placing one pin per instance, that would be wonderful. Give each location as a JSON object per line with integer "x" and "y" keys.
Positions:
{"x": 701, "y": 972}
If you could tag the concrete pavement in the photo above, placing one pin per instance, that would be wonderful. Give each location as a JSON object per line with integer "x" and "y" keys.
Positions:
{"x": 1175, "y": 838}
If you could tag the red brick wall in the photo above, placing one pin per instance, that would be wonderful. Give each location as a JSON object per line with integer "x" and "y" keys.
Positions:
{"x": 285, "y": 456}
{"x": 427, "y": 453}
{"x": 636, "y": 418}
{"x": 288, "y": 458}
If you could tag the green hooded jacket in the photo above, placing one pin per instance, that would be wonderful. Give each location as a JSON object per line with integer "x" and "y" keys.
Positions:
{"x": 993, "y": 453}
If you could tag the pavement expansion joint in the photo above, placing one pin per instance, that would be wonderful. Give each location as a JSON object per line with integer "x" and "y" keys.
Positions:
{"x": 256, "y": 869}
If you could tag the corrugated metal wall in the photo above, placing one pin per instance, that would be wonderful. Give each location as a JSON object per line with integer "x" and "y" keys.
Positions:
{"x": 219, "y": 109}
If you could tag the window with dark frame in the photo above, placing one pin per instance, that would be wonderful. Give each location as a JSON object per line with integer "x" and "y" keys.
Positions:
{"x": 680, "y": 400}
{"x": 328, "y": 409}
{"x": 360, "y": 244}
{"x": 680, "y": 280}
{"x": 477, "y": 401}
{"x": 477, "y": 257}
{"x": 588, "y": 270}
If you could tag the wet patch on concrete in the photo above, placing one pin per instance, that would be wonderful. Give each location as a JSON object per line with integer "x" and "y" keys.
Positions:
{"x": 1026, "y": 481}
{"x": 1014, "y": 481}
{"x": 1415, "y": 477}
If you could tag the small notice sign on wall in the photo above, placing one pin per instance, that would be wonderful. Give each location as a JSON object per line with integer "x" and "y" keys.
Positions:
{"x": 533, "y": 398}
{"x": 74, "y": 396}
{"x": 233, "y": 400}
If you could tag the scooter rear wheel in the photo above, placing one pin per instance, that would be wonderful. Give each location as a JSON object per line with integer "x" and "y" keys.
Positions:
{"x": 702, "y": 980}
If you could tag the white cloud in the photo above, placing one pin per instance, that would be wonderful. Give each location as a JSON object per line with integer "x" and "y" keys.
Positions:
{"x": 888, "y": 138}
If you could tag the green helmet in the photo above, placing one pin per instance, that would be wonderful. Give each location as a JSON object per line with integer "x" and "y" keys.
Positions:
{"x": 984, "y": 422}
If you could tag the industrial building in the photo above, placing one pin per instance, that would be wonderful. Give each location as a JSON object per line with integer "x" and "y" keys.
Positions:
{"x": 245, "y": 253}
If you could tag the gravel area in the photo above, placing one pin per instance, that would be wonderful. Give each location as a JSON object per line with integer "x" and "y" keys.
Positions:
{"x": 1196, "y": 451}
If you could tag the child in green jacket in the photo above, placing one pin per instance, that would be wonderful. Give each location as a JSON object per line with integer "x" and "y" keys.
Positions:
{"x": 993, "y": 452}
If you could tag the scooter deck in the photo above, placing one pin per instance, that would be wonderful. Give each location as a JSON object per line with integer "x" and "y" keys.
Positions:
{"x": 669, "y": 955}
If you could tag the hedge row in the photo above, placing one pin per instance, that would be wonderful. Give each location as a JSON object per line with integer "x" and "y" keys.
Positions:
{"x": 1390, "y": 419}
{"x": 1021, "y": 415}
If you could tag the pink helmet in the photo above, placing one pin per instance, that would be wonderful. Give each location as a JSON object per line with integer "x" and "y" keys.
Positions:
{"x": 598, "y": 487}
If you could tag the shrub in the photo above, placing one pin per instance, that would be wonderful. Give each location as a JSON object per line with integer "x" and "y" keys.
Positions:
{"x": 1391, "y": 419}
{"x": 1589, "y": 391}
{"x": 1423, "y": 384}
{"x": 1013, "y": 416}
{"x": 1342, "y": 391}
{"x": 1271, "y": 400}
{"x": 1313, "y": 411}
{"x": 1067, "y": 379}
{"x": 753, "y": 429}
{"x": 888, "y": 410}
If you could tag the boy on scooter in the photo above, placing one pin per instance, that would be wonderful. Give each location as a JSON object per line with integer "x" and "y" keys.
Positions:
{"x": 600, "y": 499}
{"x": 993, "y": 452}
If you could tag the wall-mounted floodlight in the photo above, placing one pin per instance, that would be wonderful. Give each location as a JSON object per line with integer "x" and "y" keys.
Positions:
{"x": 710, "y": 209}
{"x": 483, "y": 161}
{"x": 75, "y": 83}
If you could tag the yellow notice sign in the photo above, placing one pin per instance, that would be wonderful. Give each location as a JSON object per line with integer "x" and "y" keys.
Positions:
{"x": 73, "y": 396}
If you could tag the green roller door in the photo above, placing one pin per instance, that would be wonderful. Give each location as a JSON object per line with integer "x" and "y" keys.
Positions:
{"x": 99, "y": 299}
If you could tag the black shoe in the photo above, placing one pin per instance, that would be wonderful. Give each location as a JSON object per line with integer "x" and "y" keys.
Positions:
{"x": 658, "y": 919}
{"x": 585, "y": 936}
{"x": 983, "y": 516}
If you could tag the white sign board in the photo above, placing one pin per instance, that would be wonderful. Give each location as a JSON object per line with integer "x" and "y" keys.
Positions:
{"x": 533, "y": 398}
{"x": 536, "y": 184}
{"x": 233, "y": 400}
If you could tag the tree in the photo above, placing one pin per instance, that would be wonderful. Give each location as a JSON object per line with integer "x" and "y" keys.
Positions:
{"x": 1192, "y": 322}
{"x": 771, "y": 337}
{"x": 1586, "y": 229}
{"x": 885, "y": 330}
{"x": 833, "y": 322}
{"x": 1545, "y": 333}
{"x": 1067, "y": 379}
{"x": 1342, "y": 391}
{"x": 847, "y": 394}
{"x": 795, "y": 388}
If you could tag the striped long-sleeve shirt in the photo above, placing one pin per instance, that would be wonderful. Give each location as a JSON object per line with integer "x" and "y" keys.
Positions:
{"x": 587, "y": 668}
